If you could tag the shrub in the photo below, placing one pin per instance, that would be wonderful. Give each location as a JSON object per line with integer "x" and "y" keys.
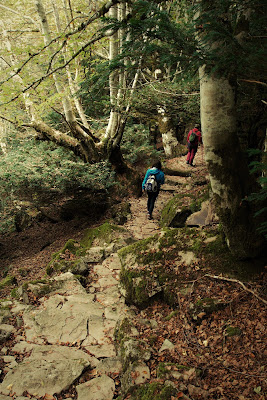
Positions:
{"x": 37, "y": 171}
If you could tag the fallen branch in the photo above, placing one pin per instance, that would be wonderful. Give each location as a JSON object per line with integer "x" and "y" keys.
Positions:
{"x": 240, "y": 283}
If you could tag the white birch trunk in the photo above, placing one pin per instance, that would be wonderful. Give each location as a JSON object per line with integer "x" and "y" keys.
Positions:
{"x": 72, "y": 84}
{"x": 66, "y": 103}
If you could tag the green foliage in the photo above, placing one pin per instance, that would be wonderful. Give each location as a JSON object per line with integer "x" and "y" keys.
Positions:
{"x": 136, "y": 144}
{"x": 260, "y": 169}
{"x": 39, "y": 171}
{"x": 237, "y": 42}
{"x": 38, "y": 167}
{"x": 94, "y": 88}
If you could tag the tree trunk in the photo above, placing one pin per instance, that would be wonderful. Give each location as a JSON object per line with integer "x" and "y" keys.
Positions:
{"x": 168, "y": 133}
{"x": 227, "y": 166}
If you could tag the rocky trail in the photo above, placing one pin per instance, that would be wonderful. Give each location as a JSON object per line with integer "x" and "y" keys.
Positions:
{"x": 64, "y": 340}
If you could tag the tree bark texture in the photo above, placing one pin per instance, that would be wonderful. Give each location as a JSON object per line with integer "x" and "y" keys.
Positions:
{"x": 168, "y": 133}
{"x": 227, "y": 166}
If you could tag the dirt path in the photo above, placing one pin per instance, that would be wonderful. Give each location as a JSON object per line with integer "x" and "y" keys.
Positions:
{"x": 139, "y": 225}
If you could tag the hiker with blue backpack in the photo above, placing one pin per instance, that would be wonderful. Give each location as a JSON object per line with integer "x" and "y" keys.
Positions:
{"x": 193, "y": 139}
{"x": 153, "y": 179}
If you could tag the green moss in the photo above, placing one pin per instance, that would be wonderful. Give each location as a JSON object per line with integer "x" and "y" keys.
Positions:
{"x": 7, "y": 281}
{"x": 233, "y": 331}
{"x": 104, "y": 233}
{"x": 171, "y": 315}
{"x": 217, "y": 257}
{"x": 49, "y": 269}
{"x": 123, "y": 330}
{"x": 14, "y": 293}
{"x": 153, "y": 391}
{"x": 170, "y": 210}
{"x": 35, "y": 282}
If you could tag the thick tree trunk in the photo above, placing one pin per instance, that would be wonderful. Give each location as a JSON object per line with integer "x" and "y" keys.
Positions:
{"x": 168, "y": 133}
{"x": 82, "y": 145}
{"x": 228, "y": 169}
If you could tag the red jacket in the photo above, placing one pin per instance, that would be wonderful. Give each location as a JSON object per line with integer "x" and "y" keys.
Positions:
{"x": 198, "y": 139}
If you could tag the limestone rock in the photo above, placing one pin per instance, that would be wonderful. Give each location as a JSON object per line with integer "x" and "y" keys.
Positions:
{"x": 102, "y": 388}
{"x": 205, "y": 216}
{"x": 136, "y": 374}
{"x": 134, "y": 350}
{"x": 5, "y": 331}
{"x": 61, "y": 319}
{"x": 110, "y": 365}
{"x": 94, "y": 255}
{"x": 48, "y": 370}
{"x": 167, "y": 345}
{"x": 174, "y": 214}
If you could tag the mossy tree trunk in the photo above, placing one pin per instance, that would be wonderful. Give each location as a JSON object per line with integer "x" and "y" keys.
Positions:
{"x": 168, "y": 133}
{"x": 227, "y": 166}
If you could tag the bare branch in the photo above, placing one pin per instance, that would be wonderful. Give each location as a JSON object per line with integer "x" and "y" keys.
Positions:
{"x": 100, "y": 13}
{"x": 240, "y": 283}
{"x": 38, "y": 81}
{"x": 8, "y": 120}
{"x": 26, "y": 17}
{"x": 253, "y": 81}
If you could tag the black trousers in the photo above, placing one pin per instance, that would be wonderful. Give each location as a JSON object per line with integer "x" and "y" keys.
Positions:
{"x": 151, "y": 198}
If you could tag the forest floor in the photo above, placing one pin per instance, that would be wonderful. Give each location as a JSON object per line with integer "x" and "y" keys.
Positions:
{"x": 221, "y": 355}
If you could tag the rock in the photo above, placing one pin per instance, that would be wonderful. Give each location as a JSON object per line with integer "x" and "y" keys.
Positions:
{"x": 139, "y": 285}
{"x": 102, "y": 388}
{"x": 136, "y": 374}
{"x": 11, "y": 361}
{"x": 61, "y": 319}
{"x": 104, "y": 350}
{"x": 63, "y": 284}
{"x": 108, "y": 296}
{"x": 120, "y": 213}
{"x": 110, "y": 365}
{"x": 187, "y": 257}
{"x": 5, "y": 332}
{"x": 80, "y": 267}
{"x": 205, "y": 307}
{"x": 205, "y": 216}
{"x": 94, "y": 255}
{"x": 26, "y": 215}
{"x": 167, "y": 345}
{"x": 174, "y": 214}
{"x": 48, "y": 370}
{"x": 134, "y": 350}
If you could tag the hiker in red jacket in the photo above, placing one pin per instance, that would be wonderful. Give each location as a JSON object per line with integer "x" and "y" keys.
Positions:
{"x": 193, "y": 139}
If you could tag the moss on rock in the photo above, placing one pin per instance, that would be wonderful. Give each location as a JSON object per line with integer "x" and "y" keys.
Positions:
{"x": 232, "y": 331}
{"x": 7, "y": 281}
{"x": 105, "y": 233}
{"x": 153, "y": 391}
{"x": 143, "y": 271}
{"x": 174, "y": 214}
{"x": 120, "y": 212}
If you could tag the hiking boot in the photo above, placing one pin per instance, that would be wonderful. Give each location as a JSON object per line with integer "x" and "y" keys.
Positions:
{"x": 150, "y": 216}
{"x": 187, "y": 162}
